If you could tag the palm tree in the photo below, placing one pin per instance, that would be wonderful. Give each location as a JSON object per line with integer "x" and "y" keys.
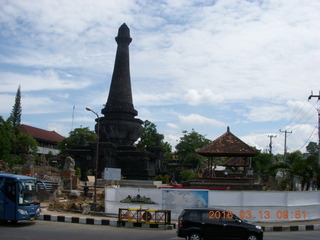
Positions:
{"x": 297, "y": 166}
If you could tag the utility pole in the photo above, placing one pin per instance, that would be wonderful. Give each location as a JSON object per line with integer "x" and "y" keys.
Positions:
{"x": 318, "y": 109}
{"x": 270, "y": 144}
{"x": 285, "y": 142}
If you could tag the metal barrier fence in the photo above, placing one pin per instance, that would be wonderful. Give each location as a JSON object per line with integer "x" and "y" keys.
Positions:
{"x": 149, "y": 216}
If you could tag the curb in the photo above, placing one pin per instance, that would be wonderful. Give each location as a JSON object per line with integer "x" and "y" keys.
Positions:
{"x": 314, "y": 227}
{"x": 116, "y": 223}
{"x": 104, "y": 222}
{"x": 80, "y": 220}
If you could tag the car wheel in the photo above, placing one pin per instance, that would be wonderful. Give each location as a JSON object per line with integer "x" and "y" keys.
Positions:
{"x": 194, "y": 236}
{"x": 252, "y": 236}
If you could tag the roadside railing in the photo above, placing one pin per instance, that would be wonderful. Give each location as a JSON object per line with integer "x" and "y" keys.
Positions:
{"x": 148, "y": 216}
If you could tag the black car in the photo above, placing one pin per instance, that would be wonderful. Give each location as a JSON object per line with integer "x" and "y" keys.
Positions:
{"x": 206, "y": 223}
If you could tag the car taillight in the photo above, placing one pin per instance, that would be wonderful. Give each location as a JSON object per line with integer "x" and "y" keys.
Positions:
{"x": 180, "y": 222}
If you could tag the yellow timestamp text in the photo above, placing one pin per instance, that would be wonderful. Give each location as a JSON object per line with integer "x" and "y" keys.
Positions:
{"x": 266, "y": 214}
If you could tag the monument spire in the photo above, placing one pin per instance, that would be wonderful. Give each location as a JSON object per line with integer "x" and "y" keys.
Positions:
{"x": 119, "y": 128}
{"x": 119, "y": 125}
{"x": 120, "y": 95}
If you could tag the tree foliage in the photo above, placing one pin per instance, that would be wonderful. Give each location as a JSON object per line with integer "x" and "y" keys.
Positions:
{"x": 312, "y": 148}
{"x": 187, "y": 175}
{"x": 16, "y": 110}
{"x": 24, "y": 144}
{"x": 150, "y": 136}
{"x": 298, "y": 166}
{"x": 262, "y": 164}
{"x": 6, "y": 136}
{"x": 186, "y": 148}
{"x": 13, "y": 144}
{"x": 77, "y": 137}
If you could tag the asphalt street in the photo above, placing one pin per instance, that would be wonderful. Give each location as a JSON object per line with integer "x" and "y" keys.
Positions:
{"x": 40, "y": 230}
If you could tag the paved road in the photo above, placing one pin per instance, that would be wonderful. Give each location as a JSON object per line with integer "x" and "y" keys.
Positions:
{"x": 56, "y": 230}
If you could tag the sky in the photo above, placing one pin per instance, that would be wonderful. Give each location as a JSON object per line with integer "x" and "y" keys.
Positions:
{"x": 199, "y": 65}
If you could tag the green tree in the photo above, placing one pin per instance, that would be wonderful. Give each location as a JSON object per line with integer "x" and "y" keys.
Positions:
{"x": 297, "y": 166}
{"x": 76, "y": 137}
{"x": 187, "y": 175}
{"x": 6, "y": 135}
{"x": 261, "y": 164}
{"x": 150, "y": 136}
{"x": 185, "y": 149}
{"x": 78, "y": 172}
{"x": 312, "y": 148}
{"x": 24, "y": 144}
{"x": 305, "y": 169}
{"x": 16, "y": 110}
{"x": 168, "y": 151}
{"x": 13, "y": 144}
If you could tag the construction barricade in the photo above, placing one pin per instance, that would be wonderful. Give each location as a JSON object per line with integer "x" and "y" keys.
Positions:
{"x": 148, "y": 216}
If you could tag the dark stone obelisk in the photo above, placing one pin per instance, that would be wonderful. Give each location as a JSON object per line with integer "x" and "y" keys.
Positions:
{"x": 119, "y": 125}
{"x": 119, "y": 128}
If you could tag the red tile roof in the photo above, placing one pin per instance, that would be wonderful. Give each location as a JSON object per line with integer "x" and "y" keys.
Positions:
{"x": 227, "y": 145}
{"x": 41, "y": 134}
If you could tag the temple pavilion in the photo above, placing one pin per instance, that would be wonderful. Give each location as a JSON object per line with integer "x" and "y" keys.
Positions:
{"x": 239, "y": 153}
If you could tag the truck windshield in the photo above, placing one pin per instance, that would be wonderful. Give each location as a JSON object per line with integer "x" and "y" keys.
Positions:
{"x": 29, "y": 194}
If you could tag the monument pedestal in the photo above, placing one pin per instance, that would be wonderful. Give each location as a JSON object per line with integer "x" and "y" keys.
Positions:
{"x": 69, "y": 180}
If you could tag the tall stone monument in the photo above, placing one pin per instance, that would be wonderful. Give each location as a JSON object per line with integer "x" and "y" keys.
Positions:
{"x": 119, "y": 125}
{"x": 119, "y": 128}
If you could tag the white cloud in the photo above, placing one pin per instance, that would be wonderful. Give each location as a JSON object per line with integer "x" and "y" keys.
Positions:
{"x": 172, "y": 139}
{"x": 88, "y": 118}
{"x": 259, "y": 141}
{"x": 7, "y": 102}
{"x": 41, "y": 80}
{"x": 267, "y": 113}
{"x": 301, "y": 135}
{"x": 248, "y": 61}
{"x": 298, "y": 137}
{"x": 291, "y": 112}
{"x": 206, "y": 96}
{"x": 196, "y": 119}
{"x": 154, "y": 99}
{"x": 41, "y": 104}
{"x": 62, "y": 129}
{"x": 173, "y": 126}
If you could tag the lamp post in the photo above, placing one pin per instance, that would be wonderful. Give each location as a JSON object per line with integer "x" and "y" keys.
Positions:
{"x": 97, "y": 158}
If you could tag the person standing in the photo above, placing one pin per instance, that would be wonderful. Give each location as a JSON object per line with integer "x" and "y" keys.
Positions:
{"x": 85, "y": 191}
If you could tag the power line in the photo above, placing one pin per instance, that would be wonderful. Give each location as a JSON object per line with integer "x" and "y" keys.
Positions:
{"x": 298, "y": 125}
{"x": 300, "y": 110}
{"x": 301, "y": 118}
{"x": 308, "y": 139}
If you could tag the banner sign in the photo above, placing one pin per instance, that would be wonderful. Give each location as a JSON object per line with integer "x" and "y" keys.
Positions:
{"x": 112, "y": 174}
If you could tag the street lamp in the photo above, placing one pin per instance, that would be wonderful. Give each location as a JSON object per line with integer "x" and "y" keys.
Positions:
{"x": 97, "y": 158}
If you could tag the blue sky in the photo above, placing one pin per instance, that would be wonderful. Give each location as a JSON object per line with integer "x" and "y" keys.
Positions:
{"x": 195, "y": 64}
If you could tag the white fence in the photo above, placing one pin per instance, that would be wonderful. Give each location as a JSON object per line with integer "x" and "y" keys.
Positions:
{"x": 257, "y": 206}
